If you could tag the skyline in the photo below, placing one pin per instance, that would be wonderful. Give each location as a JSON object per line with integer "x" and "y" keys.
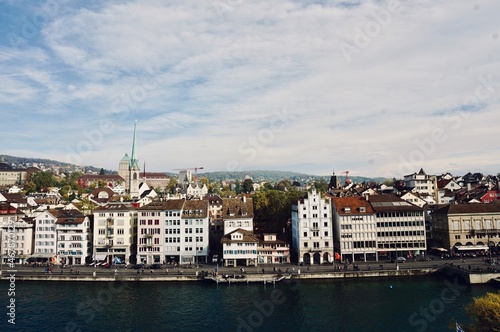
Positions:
{"x": 379, "y": 88}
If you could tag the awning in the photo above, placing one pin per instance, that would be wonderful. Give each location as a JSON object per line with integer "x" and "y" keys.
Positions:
{"x": 471, "y": 247}
{"x": 100, "y": 257}
{"x": 37, "y": 255}
{"x": 439, "y": 249}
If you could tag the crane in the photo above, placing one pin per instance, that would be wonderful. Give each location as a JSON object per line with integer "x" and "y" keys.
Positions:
{"x": 191, "y": 168}
{"x": 347, "y": 180}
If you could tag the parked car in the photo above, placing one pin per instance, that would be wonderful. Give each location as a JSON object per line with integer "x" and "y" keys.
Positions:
{"x": 401, "y": 259}
{"x": 137, "y": 266}
{"x": 215, "y": 258}
{"x": 155, "y": 266}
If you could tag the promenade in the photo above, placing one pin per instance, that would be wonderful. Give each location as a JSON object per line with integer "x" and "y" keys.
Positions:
{"x": 259, "y": 273}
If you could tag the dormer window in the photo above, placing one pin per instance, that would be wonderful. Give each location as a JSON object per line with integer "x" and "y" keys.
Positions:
{"x": 362, "y": 209}
{"x": 347, "y": 210}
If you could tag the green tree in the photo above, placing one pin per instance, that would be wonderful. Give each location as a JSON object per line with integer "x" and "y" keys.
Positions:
{"x": 101, "y": 184}
{"x": 43, "y": 180}
{"x": 484, "y": 312}
{"x": 321, "y": 185}
{"x": 247, "y": 186}
{"x": 101, "y": 172}
{"x": 29, "y": 187}
{"x": 172, "y": 185}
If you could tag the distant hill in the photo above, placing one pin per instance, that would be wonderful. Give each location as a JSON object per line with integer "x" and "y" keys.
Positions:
{"x": 276, "y": 176}
{"x": 256, "y": 175}
{"x": 48, "y": 163}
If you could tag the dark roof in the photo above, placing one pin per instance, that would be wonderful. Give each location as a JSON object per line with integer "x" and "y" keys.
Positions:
{"x": 14, "y": 198}
{"x": 195, "y": 209}
{"x": 468, "y": 208}
{"x": 385, "y": 203}
{"x": 115, "y": 207}
{"x": 106, "y": 177}
{"x": 172, "y": 204}
{"x": 247, "y": 236}
{"x": 237, "y": 208}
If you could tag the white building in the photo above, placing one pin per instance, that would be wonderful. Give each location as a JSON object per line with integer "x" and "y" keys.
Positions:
{"x": 400, "y": 227}
{"x": 312, "y": 236}
{"x": 73, "y": 237}
{"x": 173, "y": 231}
{"x": 239, "y": 248}
{"x": 421, "y": 183}
{"x": 115, "y": 227}
{"x": 355, "y": 229}
{"x": 18, "y": 233}
{"x": 45, "y": 235}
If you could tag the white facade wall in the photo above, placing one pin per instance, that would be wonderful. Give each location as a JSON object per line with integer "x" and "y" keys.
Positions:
{"x": 20, "y": 233}
{"x": 313, "y": 235}
{"x": 73, "y": 242}
{"x": 114, "y": 233}
{"x": 45, "y": 234}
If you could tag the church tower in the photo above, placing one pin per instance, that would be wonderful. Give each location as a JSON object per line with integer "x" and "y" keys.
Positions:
{"x": 134, "y": 170}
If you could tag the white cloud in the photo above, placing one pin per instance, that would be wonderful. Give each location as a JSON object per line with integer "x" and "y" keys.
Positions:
{"x": 203, "y": 80}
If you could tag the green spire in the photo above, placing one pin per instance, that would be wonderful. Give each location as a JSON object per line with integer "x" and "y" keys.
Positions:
{"x": 134, "y": 162}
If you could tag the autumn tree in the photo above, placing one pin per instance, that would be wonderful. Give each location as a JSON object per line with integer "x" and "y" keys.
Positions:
{"x": 484, "y": 312}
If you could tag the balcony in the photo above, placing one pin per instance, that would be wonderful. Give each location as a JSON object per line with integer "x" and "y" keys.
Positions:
{"x": 318, "y": 249}
{"x": 148, "y": 236}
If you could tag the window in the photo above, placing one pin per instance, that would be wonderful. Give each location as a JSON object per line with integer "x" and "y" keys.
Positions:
{"x": 305, "y": 244}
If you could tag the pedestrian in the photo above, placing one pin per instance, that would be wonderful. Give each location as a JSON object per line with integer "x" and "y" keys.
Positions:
{"x": 166, "y": 271}
{"x": 116, "y": 272}
{"x": 152, "y": 272}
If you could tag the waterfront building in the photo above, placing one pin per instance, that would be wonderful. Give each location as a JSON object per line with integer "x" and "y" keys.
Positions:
{"x": 239, "y": 248}
{"x": 45, "y": 234}
{"x": 73, "y": 237}
{"x": 18, "y": 233}
{"x": 215, "y": 213}
{"x": 115, "y": 233}
{"x": 173, "y": 231}
{"x": 312, "y": 238}
{"x": 400, "y": 227}
{"x": 463, "y": 228}
{"x": 354, "y": 229}
{"x": 273, "y": 251}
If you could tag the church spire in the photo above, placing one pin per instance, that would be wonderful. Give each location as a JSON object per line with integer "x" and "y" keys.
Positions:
{"x": 134, "y": 162}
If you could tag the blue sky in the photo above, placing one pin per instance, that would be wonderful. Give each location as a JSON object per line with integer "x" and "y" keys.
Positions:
{"x": 379, "y": 88}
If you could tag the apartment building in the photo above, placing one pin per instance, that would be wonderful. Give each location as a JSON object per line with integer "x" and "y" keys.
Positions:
{"x": 312, "y": 236}
{"x": 115, "y": 233}
{"x": 462, "y": 228}
{"x": 173, "y": 231}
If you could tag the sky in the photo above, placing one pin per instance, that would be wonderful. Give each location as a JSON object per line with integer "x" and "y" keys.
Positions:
{"x": 376, "y": 88}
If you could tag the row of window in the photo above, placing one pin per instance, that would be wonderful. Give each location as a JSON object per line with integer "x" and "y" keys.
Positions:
{"x": 112, "y": 214}
{"x": 316, "y": 245}
{"x": 398, "y": 214}
{"x": 413, "y": 223}
{"x": 45, "y": 236}
{"x": 401, "y": 233}
{"x": 240, "y": 252}
{"x": 315, "y": 233}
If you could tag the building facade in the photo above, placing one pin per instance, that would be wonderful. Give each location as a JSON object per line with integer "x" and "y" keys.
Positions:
{"x": 173, "y": 231}
{"x": 73, "y": 238}
{"x": 355, "y": 229}
{"x": 312, "y": 233}
{"x": 400, "y": 227}
{"x": 17, "y": 240}
{"x": 239, "y": 248}
{"x": 115, "y": 233}
{"x": 462, "y": 228}
{"x": 272, "y": 251}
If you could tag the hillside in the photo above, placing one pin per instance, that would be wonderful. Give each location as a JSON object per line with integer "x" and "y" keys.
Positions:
{"x": 257, "y": 175}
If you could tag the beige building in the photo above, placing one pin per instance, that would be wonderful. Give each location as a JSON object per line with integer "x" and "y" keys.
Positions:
{"x": 463, "y": 228}
{"x": 115, "y": 227}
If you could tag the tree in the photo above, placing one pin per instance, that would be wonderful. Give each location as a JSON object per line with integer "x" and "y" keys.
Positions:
{"x": 43, "y": 180}
{"x": 247, "y": 186}
{"x": 101, "y": 184}
{"x": 484, "y": 312}
{"x": 29, "y": 187}
{"x": 321, "y": 185}
{"x": 101, "y": 172}
{"x": 172, "y": 184}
